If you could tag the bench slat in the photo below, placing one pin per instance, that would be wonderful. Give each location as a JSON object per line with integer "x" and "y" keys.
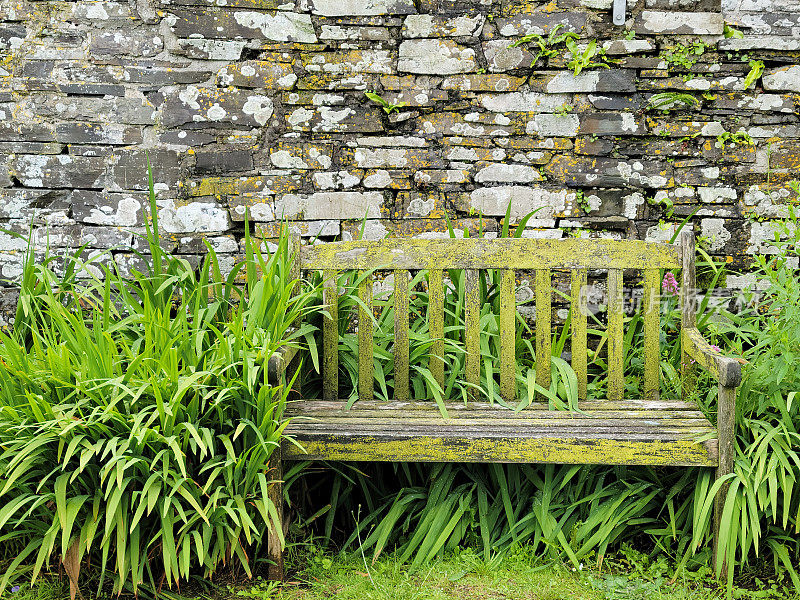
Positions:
{"x": 401, "y": 335}
{"x": 436, "y": 324}
{"x": 616, "y": 377}
{"x": 652, "y": 314}
{"x": 578, "y": 344}
{"x": 508, "y": 316}
{"x": 479, "y": 253}
{"x": 456, "y": 409}
{"x": 544, "y": 295}
{"x": 366, "y": 376}
{"x": 330, "y": 337}
{"x": 472, "y": 330}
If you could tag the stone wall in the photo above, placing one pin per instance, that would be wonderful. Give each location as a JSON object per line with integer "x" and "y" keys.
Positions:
{"x": 260, "y": 105}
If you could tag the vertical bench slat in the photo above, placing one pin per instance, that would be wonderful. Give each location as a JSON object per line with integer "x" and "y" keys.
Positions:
{"x": 365, "y": 367}
{"x": 330, "y": 337}
{"x": 651, "y": 310}
{"x": 436, "y": 324}
{"x": 508, "y": 313}
{"x": 472, "y": 329}
{"x": 578, "y": 345}
{"x": 544, "y": 296}
{"x": 401, "y": 335}
{"x": 616, "y": 380}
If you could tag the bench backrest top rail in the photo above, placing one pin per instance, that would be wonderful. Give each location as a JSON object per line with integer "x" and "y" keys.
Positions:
{"x": 506, "y": 253}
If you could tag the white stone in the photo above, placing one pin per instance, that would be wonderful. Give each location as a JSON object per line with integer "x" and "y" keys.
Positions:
{"x": 260, "y": 107}
{"x": 716, "y": 195}
{"x": 494, "y": 201}
{"x": 345, "y": 8}
{"x": 715, "y": 234}
{"x": 524, "y": 102}
{"x": 218, "y": 49}
{"x": 193, "y": 217}
{"x": 565, "y": 82}
{"x": 435, "y": 57}
{"x": 502, "y": 173}
{"x": 785, "y": 79}
{"x": 378, "y": 179}
{"x": 331, "y": 205}
{"x": 422, "y": 26}
{"x": 283, "y": 26}
{"x": 547, "y": 125}
{"x": 697, "y": 23}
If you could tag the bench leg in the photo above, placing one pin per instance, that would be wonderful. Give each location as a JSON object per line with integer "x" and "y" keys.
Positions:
{"x": 725, "y": 427}
{"x": 274, "y": 547}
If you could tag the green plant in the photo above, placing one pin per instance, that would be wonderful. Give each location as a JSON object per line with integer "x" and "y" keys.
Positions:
{"x": 592, "y": 57}
{"x": 756, "y": 70}
{"x": 552, "y": 45}
{"x": 136, "y": 418}
{"x": 730, "y": 32}
{"x": 387, "y": 107}
{"x": 738, "y": 138}
{"x": 667, "y": 101}
{"x": 684, "y": 55}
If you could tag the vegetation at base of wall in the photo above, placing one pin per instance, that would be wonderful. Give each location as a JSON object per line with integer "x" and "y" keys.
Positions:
{"x": 136, "y": 418}
{"x": 418, "y": 512}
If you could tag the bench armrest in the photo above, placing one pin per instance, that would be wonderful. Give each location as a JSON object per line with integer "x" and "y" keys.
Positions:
{"x": 278, "y": 362}
{"x": 725, "y": 370}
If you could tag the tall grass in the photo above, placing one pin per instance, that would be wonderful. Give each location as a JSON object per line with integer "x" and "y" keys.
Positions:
{"x": 136, "y": 419}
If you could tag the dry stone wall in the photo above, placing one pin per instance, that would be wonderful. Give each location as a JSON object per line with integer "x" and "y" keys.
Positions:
{"x": 259, "y": 106}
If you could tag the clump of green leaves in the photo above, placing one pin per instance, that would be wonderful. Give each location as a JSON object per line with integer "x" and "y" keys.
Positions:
{"x": 387, "y": 107}
{"x": 756, "y": 70}
{"x": 546, "y": 47}
{"x": 593, "y": 57}
{"x": 667, "y": 101}
{"x": 730, "y": 32}
{"x": 684, "y": 55}
{"x": 137, "y": 421}
{"x": 741, "y": 138}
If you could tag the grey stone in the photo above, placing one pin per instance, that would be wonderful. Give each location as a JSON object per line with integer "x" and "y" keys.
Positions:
{"x": 336, "y": 120}
{"x": 429, "y": 26}
{"x": 331, "y": 205}
{"x": 758, "y": 42}
{"x": 12, "y": 35}
{"x": 679, "y": 23}
{"x": 350, "y": 62}
{"x": 541, "y": 23}
{"x": 223, "y": 161}
{"x": 507, "y": 173}
{"x": 616, "y": 80}
{"x": 784, "y": 78}
{"x": 106, "y": 208}
{"x": 611, "y": 124}
{"x": 128, "y": 169}
{"x": 502, "y": 57}
{"x": 299, "y": 155}
{"x": 525, "y": 102}
{"x": 548, "y": 204}
{"x": 60, "y": 171}
{"x": 435, "y": 57}
{"x": 134, "y": 43}
{"x": 258, "y": 74}
{"x": 96, "y": 133}
{"x": 278, "y": 26}
{"x": 216, "y": 107}
{"x": 346, "y": 8}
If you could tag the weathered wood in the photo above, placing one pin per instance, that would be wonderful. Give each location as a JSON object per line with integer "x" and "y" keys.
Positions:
{"x": 508, "y": 317}
{"x": 472, "y": 330}
{"x": 330, "y": 336}
{"x": 688, "y": 307}
{"x": 502, "y": 449}
{"x": 275, "y": 571}
{"x": 615, "y": 332}
{"x": 542, "y": 426}
{"x": 436, "y": 324}
{"x": 578, "y": 343}
{"x": 727, "y": 371}
{"x": 479, "y": 253}
{"x": 544, "y": 293}
{"x": 726, "y": 418}
{"x": 651, "y": 312}
{"x": 366, "y": 376}
{"x": 401, "y": 335}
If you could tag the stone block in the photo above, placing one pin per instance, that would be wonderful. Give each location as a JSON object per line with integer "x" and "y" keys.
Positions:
{"x": 130, "y": 43}
{"x": 541, "y": 23}
{"x": 97, "y": 133}
{"x": 60, "y": 171}
{"x": 610, "y": 172}
{"x": 533, "y": 102}
{"x": 430, "y": 26}
{"x": 501, "y": 57}
{"x": 258, "y": 74}
{"x": 782, "y": 79}
{"x": 193, "y": 216}
{"x": 483, "y": 83}
{"x": 225, "y": 24}
{"x": 301, "y": 155}
{"x": 128, "y": 170}
{"x": 679, "y": 23}
{"x": 336, "y": 120}
{"x": 392, "y": 158}
{"x": 349, "y": 8}
{"x": 331, "y": 205}
{"x": 435, "y": 57}
{"x": 548, "y": 204}
{"x": 547, "y": 125}
{"x": 216, "y": 107}
{"x": 451, "y": 123}
{"x": 507, "y": 173}
{"x": 223, "y": 161}
{"x": 50, "y": 206}
{"x": 565, "y": 82}
{"x": 623, "y": 123}
{"x": 349, "y": 62}
{"x": 108, "y": 209}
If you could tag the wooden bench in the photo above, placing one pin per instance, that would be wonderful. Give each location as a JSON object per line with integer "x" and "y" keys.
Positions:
{"x": 612, "y": 430}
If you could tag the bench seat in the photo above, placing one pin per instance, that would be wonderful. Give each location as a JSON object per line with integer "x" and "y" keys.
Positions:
{"x": 628, "y": 432}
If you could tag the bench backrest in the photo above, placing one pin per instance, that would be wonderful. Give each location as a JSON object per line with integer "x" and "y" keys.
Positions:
{"x": 507, "y": 255}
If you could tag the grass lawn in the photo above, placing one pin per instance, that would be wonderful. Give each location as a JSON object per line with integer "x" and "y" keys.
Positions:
{"x": 464, "y": 576}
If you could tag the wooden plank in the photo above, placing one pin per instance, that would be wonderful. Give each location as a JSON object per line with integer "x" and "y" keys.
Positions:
{"x": 401, "y": 335}
{"x": 632, "y": 404}
{"x": 578, "y": 344}
{"x": 436, "y": 324}
{"x": 472, "y": 331}
{"x": 481, "y": 426}
{"x": 330, "y": 337}
{"x": 616, "y": 358}
{"x": 688, "y": 307}
{"x": 504, "y": 450}
{"x": 726, "y": 421}
{"x": 651, "y": 312}
{"x": 479, "y": 253}
{"x": 508, "y": 319}
{"x": 366, "y": 376}
{"x": 275, "y": 539}
{"x": 544, "y": 295}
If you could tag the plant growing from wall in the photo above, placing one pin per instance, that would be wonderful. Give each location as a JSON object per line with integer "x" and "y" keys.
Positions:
{"x": 741, "y": 138}
{"x": 387, "y": 107}
{"x": 756, "y": 70}
{"x": 546, "y": 47}
{"x": 684, "y": 55}
{"x": 593, "y": 57}
{"x": 667, "y": 101}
